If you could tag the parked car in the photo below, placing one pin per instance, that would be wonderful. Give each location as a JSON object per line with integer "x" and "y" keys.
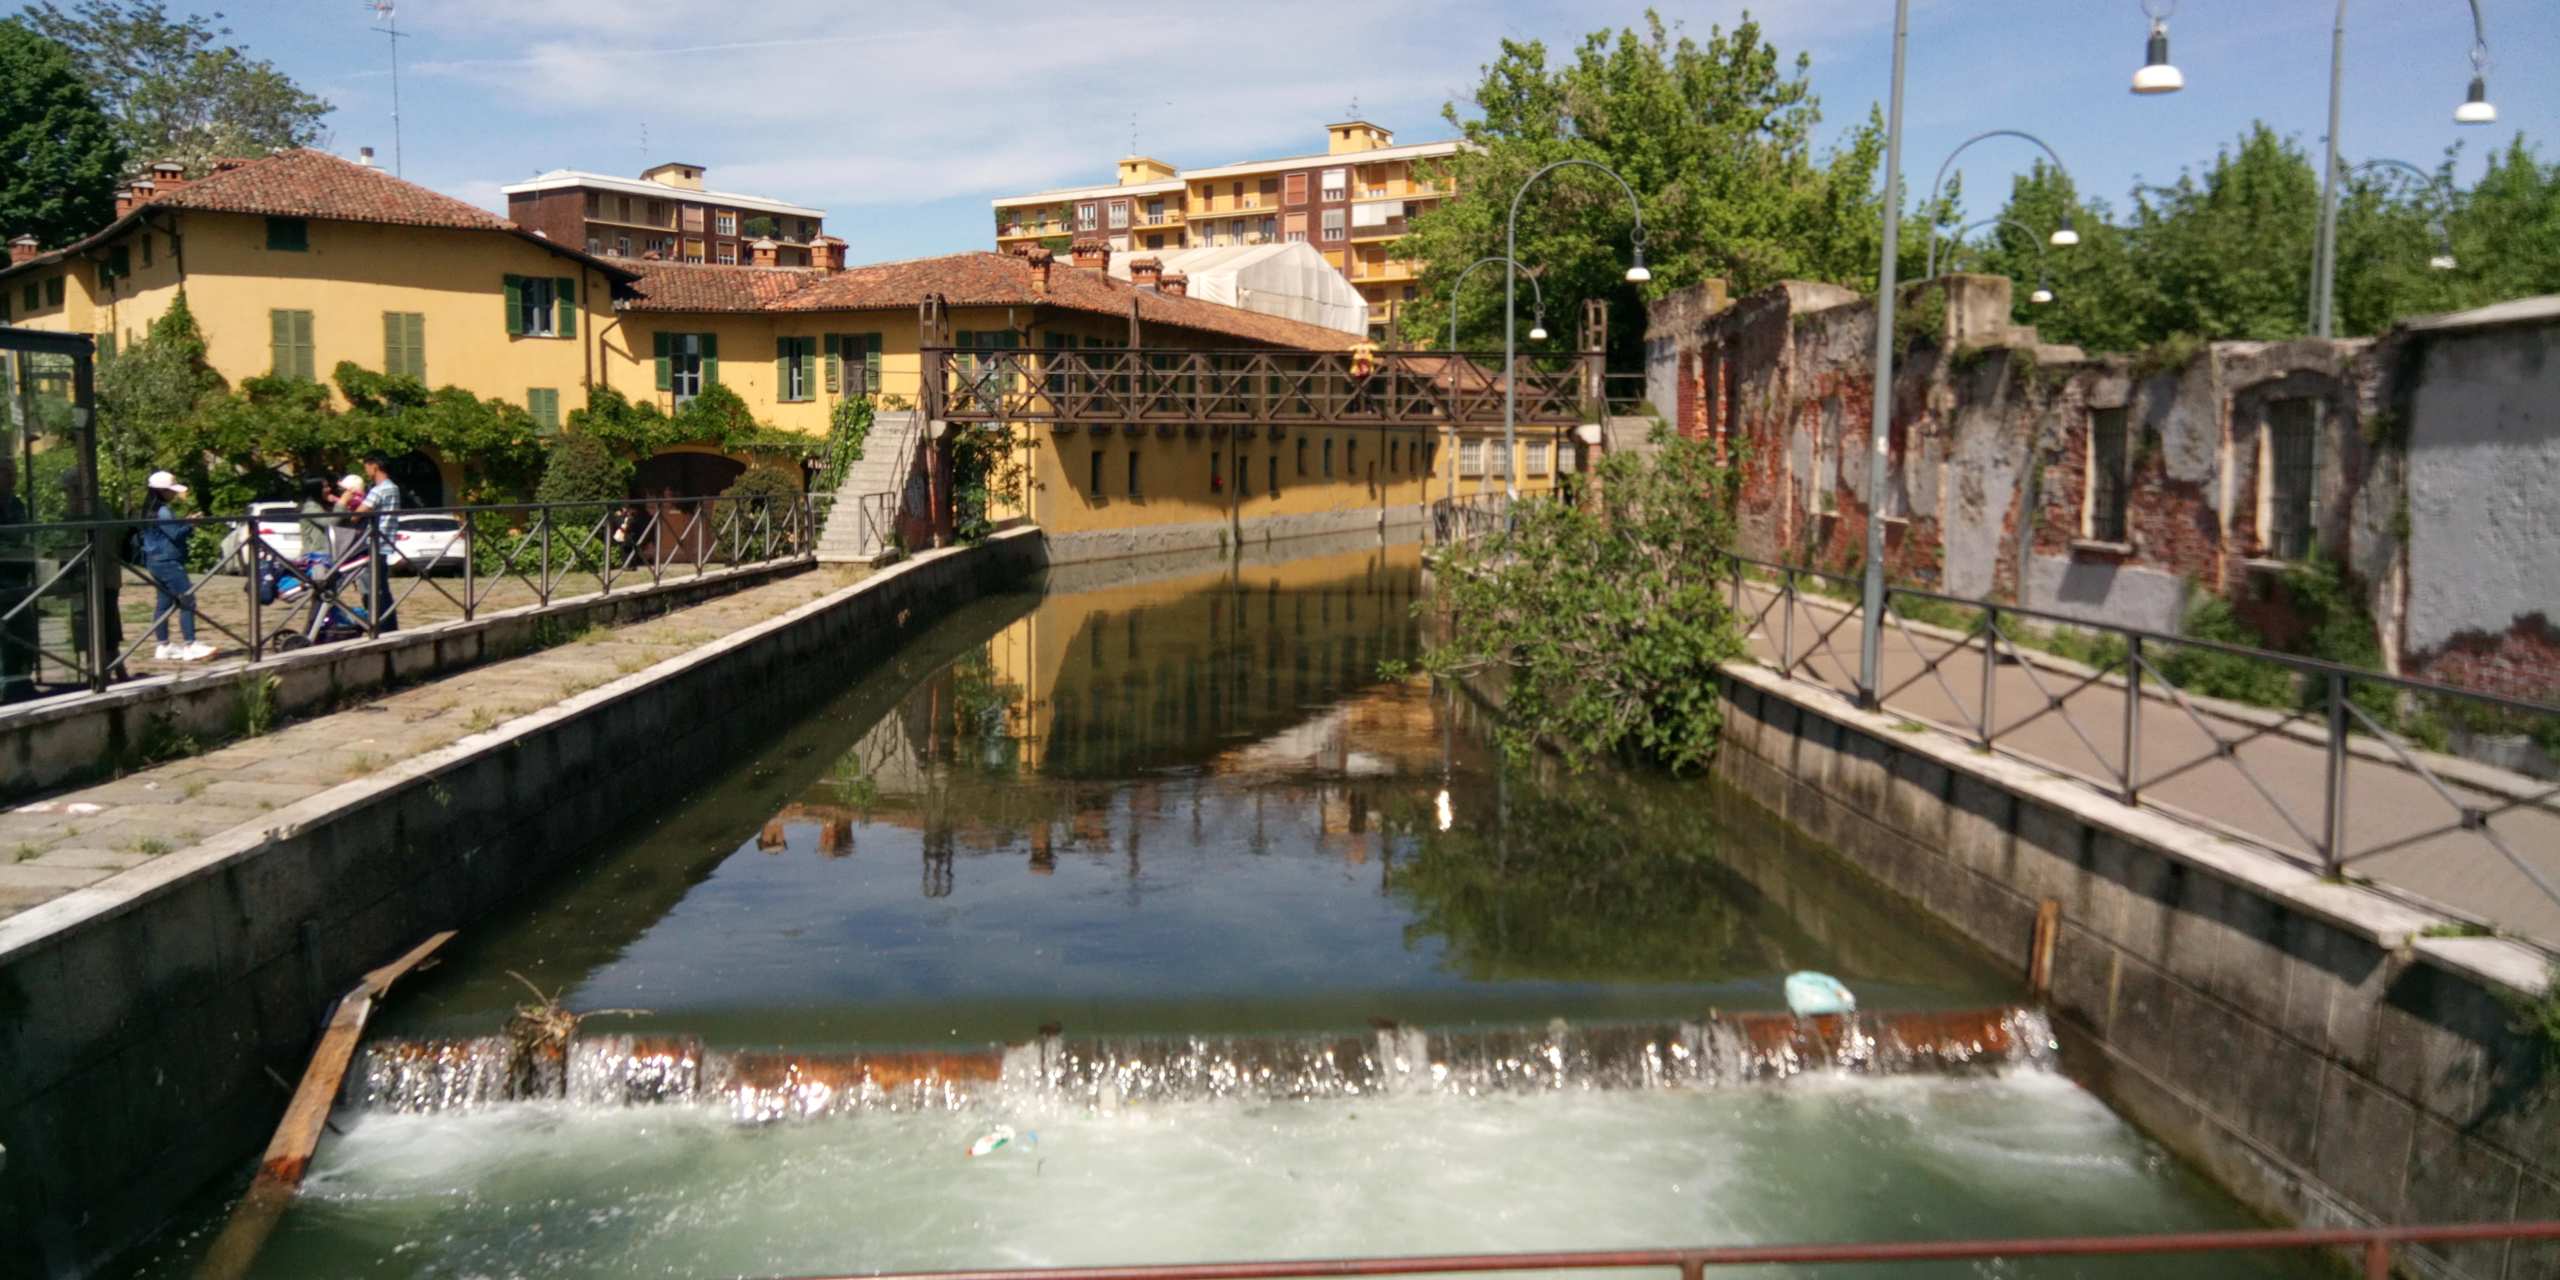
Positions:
{"x": 425, "y": 544}
{"x": 279, "y": 526}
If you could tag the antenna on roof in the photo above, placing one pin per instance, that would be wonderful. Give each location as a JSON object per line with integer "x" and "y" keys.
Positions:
{"x": 1133, "y": 133}
{"x": 1355, "y": 108}
{"x": 390, "y": 28}
{"x": 644, "y": 143}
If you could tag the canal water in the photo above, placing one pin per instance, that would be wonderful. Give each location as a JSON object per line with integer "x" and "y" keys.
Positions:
{"x": 1171, "y": 817}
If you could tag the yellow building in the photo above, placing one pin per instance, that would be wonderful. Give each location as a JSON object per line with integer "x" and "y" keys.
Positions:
{"x": 297, "y": 261}
{"x": 1354, "y": 202}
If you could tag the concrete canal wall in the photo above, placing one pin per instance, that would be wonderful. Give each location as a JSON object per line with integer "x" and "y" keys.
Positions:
{"x": 2303, "y": 1042}
{"x": 1255, "y": 531}
{"x": 137, "y": 1027}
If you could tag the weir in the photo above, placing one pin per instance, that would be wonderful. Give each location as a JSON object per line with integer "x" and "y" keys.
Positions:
{"x": 1719, "y": 1051}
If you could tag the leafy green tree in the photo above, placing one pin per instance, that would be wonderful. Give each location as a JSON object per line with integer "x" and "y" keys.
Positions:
{"x": 143, "y": 388}
{"x": 174, "y": 87}
{"x": 2101, "y": 300}
{"x": 2229, "y": 252}
{"x": 1716, "y": 140}
{"x": 59, "y": 154}
{"x": 582, "y": 469}
{"x": 1603, "y": 622}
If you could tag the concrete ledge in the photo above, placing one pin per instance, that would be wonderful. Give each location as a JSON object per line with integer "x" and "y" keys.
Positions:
{"x": 2304, "y": 1042}
{"x": 70, "y": 737}
{"x": 224, "y": 956}
{"x": 1141, "y": 540}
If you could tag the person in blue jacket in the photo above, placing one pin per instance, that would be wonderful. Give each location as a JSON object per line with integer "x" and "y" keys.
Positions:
{"x": 165, "y": 535}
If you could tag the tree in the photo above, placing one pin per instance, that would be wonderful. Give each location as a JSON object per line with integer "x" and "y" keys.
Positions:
{"x": 1716, "y": 140}
{"x": 1604, "y": 622}
{"x": 2229, "y": 253}
{"x": 143, "y": 390}
{"x": 2101, "y": 301}
{"x": 174, "y": 88}
{"x": 59, "y": 154}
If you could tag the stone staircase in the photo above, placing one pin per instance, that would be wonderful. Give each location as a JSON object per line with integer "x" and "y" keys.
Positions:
{"x": 888, "y": 456}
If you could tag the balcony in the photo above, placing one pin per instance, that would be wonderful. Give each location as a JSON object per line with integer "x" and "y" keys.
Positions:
{"x": 1390, "y": 229}
{"x": 1383, "y": 270}
{"x": 1022, "y": 230}
{"x": 1168, "y": 218}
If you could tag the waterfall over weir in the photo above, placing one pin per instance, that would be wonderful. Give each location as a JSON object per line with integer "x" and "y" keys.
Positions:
{"x": 1729, "y": 1050}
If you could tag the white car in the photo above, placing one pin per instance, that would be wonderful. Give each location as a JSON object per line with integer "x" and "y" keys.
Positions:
{"x": 425, "y": 544}
{"x": 279, "y": 526}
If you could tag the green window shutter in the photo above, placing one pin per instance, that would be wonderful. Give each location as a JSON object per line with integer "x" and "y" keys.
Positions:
{"x": 658, "y": 348}
{"x": 807, "y": 350}
{"x": 835, "y": 363}
{"x": 395, "y": 343}
{"x": 871, "y": 364}
{"x": 304, "y": 360}
{"x": 418, "y": 345}
{"x": 564, "y": 306}
{"x": 515, "y": 306}
{"x": 544, "y": 404}
{"x": 710, "y": 359}
{"x": 280, "y": 343}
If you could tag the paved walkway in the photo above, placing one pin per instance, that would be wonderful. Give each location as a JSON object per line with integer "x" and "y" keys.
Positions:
{"x": 2263, "y": 790}
{"x": 74, "y": 838}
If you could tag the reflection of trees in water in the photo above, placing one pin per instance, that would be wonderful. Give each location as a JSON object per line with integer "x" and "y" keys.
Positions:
{"x": 1597, "y": 877}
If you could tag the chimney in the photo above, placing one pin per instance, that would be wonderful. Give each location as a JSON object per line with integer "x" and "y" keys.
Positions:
{"x": 828, "y": 253}
{"x": 1174, "y": 284}
{"x": 1144, "y": 272}
{"x": 23, "y": 249}
{"x": 1093, "y": 255}
{"x": 168, "y": 176}
{"x": 763, "y": 251}
{"x": 1040, "y": 259}
{"x": 364, "y": 156}
{"x": 143, "y": 190}
{"x": 124, "y": 201}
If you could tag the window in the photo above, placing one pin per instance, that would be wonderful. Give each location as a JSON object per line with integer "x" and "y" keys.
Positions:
{"x": 595, "y": 207}
{"x": 1093, "y": 478}
{"x": 1297, "y": 189}
{"x": 1412, "y": 292}
{"x": 288, "y": 235}
{"x": 728, "y": 253}
{"x": 853, "y": 363}
{"x": 2290, "y": 462}
{"x": 1271, "y": 476}
{"x": 1395, "y": 456}
{"x": 542, "y": 307}
{"x": 1270, "y": 230}
{"x": 1155, "y": 213}
{"x": 687, "y": 362}
{"x": 1333, "y": 224}
{"x": 1536, "y": 463}
{"x": 404, "y": 343}
{"x": 1302, "y": 455}
{"x": 1133, "y": 474}
{"x": 1335, "y": 183}
{"x": 1119, "y": 214}
{"x": 1297, "y": 225}
{"x": 31, "y": 297}
{"x": 725, "y": 222}
{"x": 146, "y": 250}
{"x": 2110, "y": 475}
{"x": 1244, "y": 475}
{"x": 622, "y": 246}
{"x": 1328, "y": 457}
{"x": 290, "y": 339}
{"x": 692, "y": 219}
{"x": 53, "y": 291}
{"x": 1217, "y": 471}
{"x": 658, "y": 215}
{"x": 795, "y": 369}
{"x": 1084, "y": 216}
{"x": 692, "y": 250}
{"x": 1471, "y": 457}
{"x": 544, "y": 404}
{"x": 594, "y": 245}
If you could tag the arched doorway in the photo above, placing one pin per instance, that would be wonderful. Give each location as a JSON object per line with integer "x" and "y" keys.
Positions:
{"x": 684, "y": 475}
{"x": 421, "y": 480}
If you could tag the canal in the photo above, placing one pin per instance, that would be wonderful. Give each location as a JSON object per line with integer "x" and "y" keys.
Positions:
{"x": 1178, "y": 823}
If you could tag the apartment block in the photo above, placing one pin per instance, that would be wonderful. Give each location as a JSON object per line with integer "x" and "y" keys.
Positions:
{"x": 667, "y": 213}
{"x": 1353, "y": 202}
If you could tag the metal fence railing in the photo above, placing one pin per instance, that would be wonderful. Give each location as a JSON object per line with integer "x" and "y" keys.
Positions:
{"x": 1468, "y": 516}
{"x": 2350, "y": 772}
{"x": 82, "y": 606}
{"x": 2372, "y": 1247}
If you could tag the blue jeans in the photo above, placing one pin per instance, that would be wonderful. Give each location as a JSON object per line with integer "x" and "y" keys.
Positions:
{"x": 171, "y": 579}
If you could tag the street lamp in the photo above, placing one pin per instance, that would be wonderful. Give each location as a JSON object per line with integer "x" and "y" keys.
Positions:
{"x": 1537, "y": 333}
{"x": 2476, "y": 109}
{"x": 1871, "y": 633}
{"x": 2063, "y": 236}
{"x": 2442, "y": 259}
{"x": 2043, "y": 291}
{"x": 2157, "y": 74}
{"x": 1636, "y": 274}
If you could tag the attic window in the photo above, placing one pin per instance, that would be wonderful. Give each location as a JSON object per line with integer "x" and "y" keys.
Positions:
{"x": 288, "y": 235}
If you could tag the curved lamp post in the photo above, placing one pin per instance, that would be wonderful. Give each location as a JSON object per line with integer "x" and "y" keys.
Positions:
{"x": 2157, "y": 74}
{"x": 2475, "y": 109}
{"x": 1636, "y": 274}
{"x": 2063, "y": 236}
{"x": 2443, "y": 259}
{"x": 2043, "y": 290}
{"x": 1537, "y": 333}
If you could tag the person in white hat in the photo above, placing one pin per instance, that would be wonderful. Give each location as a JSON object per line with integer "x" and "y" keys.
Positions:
{"x": 164, "y": 556}
{"x": 343, "y": 535}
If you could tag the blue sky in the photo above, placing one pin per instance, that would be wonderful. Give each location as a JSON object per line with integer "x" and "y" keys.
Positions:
{"x": 902, "y": 120}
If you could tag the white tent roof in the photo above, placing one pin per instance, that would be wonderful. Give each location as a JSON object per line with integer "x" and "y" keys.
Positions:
{"x": 1288, "y": 279}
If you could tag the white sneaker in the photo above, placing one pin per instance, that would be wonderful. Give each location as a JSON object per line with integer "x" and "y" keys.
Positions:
{"x": 195, "y": 651}
{"x": 164, "y": 652}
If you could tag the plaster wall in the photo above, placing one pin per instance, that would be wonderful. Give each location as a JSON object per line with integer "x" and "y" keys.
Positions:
{"x": 2483, "y": 460}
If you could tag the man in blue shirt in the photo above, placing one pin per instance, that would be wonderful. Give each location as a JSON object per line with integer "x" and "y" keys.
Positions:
{"x": 382, "y": 502}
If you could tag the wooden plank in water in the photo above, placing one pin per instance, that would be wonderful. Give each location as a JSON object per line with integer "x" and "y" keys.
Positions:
{"x": 288, "y": 1154}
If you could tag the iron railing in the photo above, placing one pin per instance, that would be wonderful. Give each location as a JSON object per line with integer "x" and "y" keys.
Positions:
{"x": 2373, "y": 1247}
{"x": 1468, "y": 515}
{"x": 79, "y": 611}
{"x": 1116, "y": 386}
{"x": 2327, "y": 765}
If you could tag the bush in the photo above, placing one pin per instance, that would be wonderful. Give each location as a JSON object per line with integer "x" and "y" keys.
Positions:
{"x": 581, "y": 469}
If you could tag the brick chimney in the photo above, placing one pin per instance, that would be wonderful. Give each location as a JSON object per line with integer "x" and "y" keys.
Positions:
{"x": 1175, "y": 284}
{"x": 763, "y": 251}
{"x": 144, "y": 191}
{"x": 124, "y": 201}
{"x": 827, "y": 252}
{"x": 1040, "y": 259}
{"x": 168, "y": 176}
{"x": 1093, "y": 255}
{"x": 23, "y": 248}
{"x": 1145, "y": 272}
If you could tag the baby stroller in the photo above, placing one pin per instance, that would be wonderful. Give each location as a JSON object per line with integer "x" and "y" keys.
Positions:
{"x": 318, "y": 616}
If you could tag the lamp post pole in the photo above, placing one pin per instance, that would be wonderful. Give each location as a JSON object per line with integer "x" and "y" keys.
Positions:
{"x": 1537, "y": 333}
{"x": 1871, "y": 635}
{"x": 2064, "y": 235}
{"x": 1955, "y": 242}
{"x": 1511, "y": 301}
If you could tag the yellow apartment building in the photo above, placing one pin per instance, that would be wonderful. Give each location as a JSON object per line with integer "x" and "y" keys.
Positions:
{"x": 1353, "y": 202}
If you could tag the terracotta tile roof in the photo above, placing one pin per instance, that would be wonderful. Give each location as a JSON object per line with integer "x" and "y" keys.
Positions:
{"x": 979, "y": 279}
{"x": 304, "y": 183}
